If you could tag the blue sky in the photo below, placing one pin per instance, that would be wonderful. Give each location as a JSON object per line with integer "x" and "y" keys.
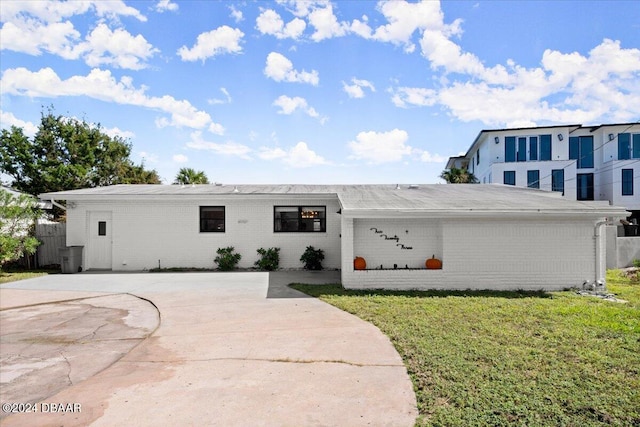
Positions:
{"x": 313, "y": 91}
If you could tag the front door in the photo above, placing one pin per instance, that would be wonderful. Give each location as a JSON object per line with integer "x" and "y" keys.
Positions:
{"x": 99, "y": 251}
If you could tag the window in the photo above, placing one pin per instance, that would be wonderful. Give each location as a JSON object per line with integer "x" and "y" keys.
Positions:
{"x": 584, "y": 186}
{"x": 522, "y": 149}
{"x": 510, "y": 149}
{"x": 304, "y": 219}
{"x": 102, "y": 228}
{"x": 539, "y": 148}
{"x": 533, "y": 148}
{"x": 627, "y": 182}
{"x": 557, "y": 180}
{"x": 509, "y": 177}
{"x": 478, "y": 158}
{"x": 628, "y": 146}
{"x": 533, "y": 179}
{"x": 545, "y": 147}
{"x": 212, "y": 219}
{"x": 581, "y": 149}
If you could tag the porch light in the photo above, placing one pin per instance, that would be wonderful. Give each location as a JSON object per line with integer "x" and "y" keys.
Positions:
{"x": 560, "y": 137}
{"x": 497, "y": 139}
{"x": 611, "y": 136}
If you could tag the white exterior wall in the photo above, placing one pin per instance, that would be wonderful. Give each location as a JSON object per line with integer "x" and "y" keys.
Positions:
{"x": 606, "y": 170}
{"x": 151, "y": 230}
{"x": 550, "y": 253}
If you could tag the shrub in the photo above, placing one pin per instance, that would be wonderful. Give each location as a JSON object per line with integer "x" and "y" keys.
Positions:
{"x": 227, "y": 259}
{"x": 636, "y": 263}
{"x": 269, "y": 259}
{"x": 312, "y": 258}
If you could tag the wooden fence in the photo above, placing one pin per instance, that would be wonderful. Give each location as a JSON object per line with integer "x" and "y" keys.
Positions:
{"x": 53, "y": 236}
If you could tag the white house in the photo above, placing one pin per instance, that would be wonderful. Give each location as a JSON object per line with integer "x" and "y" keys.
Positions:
{"x": 581, "y": 162}
{"x": 490, "y": 236}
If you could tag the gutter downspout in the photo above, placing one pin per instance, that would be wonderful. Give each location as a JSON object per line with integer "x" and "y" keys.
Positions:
{"x": 600, "y": 279}
{"x": 54, "y": 203}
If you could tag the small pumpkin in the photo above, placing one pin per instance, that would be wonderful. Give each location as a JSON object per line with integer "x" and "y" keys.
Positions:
{"x": 433, "y": 263}
{"x": 359, "y": 263}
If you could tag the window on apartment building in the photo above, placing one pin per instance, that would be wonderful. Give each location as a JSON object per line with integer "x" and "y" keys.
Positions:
{"x": 627, "y": 182}
{"x": 557, "y": 180}
{"x": 628, "y": 146}
{"x": 212, "y": 219}
{"x": 509, "y": 177}
{"x": 522, "y": 150}
{"x": 584, "y": 186}
{"x": 533, "y": 148}
{"x": 545, "y": 147}
{"x": 533, "y": 179}
{"x": 510, "y": 149}
{"x": 304, "y": 219}
{"x": 581, "y": 149}
{"x": 478, "y": 157}
{"x": 515, "y": 149}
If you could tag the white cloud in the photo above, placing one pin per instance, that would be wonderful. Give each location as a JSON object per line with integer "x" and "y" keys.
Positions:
{"x": 427, "y": 157}
{"x": 356, "y": 90}
{"x": 407, "y": 96}
{"x": 223, "y": 39}
{"x": 269, "y": 22}
{"x": 227, "y": 148}
{"x": 290, "y": 105}
{"x": 148, "y": 157}
{"x": 116, "y": 48}
{"x": 29, "y": 32}
{"x": 7, "y": 120}
{"x": 216, "y": 101}
{"x": 326, "y": 24}
{"x": 166, "y": 5}
{"x": 55, "y": 11}
{"x": 380, "y": 147}
{"x": 180, "y": 158}
{"x": 280, "y": 68}
{"x": 100, "y": 84}
{"x": 117, "y": 132}
{"x": 298, "y": 156}
{"x": 236, "y": 14}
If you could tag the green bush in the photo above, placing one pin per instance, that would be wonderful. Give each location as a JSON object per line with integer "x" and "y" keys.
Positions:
{"x": 312, "y": 258}
{"x": 636, "y": 263}
{"x": 227, "y": 259}
{"x": 269, "y": 259}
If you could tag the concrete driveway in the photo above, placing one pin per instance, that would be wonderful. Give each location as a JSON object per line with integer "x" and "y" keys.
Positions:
{"x": 228, "y": 349}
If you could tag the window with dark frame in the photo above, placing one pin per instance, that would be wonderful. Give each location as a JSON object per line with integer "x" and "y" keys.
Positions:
{"x": 102, "y": 228}
{"x": 509, "y": 177}
{"x": 533, "y": 179}
{"x": 212, "y": 219}
{"x": 627, "y": 182}
{"x": 299, "y": 219}
{"x": 557, "y": 180}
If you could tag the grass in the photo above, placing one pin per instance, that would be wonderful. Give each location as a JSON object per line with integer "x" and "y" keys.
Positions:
{"x": 12, "y": 276}
{"x": 511, "y": 358}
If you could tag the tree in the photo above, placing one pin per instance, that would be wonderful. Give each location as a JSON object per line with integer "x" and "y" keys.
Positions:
{"x": 17, "y": 218}
{"x": 458, "y": 176}
{"x": 188, "y": 176}
{"x": 67, "y": 154}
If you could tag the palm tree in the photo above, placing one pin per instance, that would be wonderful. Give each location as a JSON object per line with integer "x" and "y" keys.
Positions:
{"x": 458, "y": 176}
{"x": 188, "y": 176}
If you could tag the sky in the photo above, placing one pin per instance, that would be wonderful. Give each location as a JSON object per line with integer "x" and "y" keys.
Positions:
{"x": 316, "y": 92}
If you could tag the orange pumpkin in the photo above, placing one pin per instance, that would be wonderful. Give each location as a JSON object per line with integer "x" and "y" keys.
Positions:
{"x": 359, "y": 263}
{"x": 433, "y": 263}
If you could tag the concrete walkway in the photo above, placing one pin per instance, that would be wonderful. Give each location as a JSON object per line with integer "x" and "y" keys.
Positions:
{"x": 231, "y": 349}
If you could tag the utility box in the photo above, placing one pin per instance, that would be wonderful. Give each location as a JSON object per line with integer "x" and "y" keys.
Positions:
{"x": 71, "y": 259}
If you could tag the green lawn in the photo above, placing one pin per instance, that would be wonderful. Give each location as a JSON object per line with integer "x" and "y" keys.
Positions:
{"x": 6, "y": 277}
{"x": 511, "y": 358}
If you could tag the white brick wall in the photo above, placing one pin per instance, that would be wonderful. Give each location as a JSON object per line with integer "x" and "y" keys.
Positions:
{"x": 482, "y": 254}
{"x": 145, "y": 232}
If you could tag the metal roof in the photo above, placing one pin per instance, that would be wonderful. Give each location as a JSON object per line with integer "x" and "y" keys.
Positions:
{"x": 423, "y": 198}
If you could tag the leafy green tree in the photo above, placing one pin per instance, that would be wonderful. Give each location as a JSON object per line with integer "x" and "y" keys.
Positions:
{"x": 67, "y": 154}
{"x": 17, "y": 220}
{"x": 188, "y": 176}
{"x": 458, "y": 176}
